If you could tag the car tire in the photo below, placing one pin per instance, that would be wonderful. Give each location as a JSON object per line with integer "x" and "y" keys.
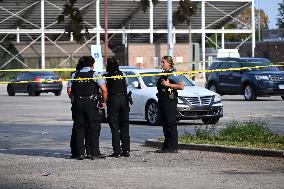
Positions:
{"x": 10, "y": 90}
{"x": 210, "y": 121}
{"x": 57, "y": 93}
{"x": 152, "y": 113}
{"x": 30, "y": 90}
{"x": 249, "y": 93}
{"x": 282, "y": 97}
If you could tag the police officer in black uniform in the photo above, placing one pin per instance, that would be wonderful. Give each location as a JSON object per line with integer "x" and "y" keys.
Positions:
{"x": 86, "y": 107}
{"x": 167, "y": 86}
{"x": 117, "y": 109}
{"x": 74, "y": 151}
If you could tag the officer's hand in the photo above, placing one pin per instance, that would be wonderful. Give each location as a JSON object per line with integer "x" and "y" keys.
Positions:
{"x": 165, "y": 82}
{"x": 102, "y": 106}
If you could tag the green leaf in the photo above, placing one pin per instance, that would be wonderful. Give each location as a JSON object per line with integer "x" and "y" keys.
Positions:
{"x": 75, "y": 24}
{"x": 144, "y": 4}
{"x": 60, "y": 19}
{"x": 185, "y": 10}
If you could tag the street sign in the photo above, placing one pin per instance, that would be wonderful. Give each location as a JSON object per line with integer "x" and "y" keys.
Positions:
{"x": 96, "y": 51}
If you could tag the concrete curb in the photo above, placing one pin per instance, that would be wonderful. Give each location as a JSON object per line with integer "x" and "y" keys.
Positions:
{"x": 220, "y": 148}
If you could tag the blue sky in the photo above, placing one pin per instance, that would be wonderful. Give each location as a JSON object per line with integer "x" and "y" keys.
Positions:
{"x": 271, "y": 9}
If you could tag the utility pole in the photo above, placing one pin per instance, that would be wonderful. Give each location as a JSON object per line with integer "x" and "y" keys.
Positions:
{"x": 258, "y": 7}
{"x": 170, "y": 28}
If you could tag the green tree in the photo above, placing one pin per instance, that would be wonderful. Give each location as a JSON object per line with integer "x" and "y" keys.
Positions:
{"x": 280, "y": 19}
{"x": 75, "y": 25}
{"x": 245, "y": 17}
{"x": 183, "y": 14}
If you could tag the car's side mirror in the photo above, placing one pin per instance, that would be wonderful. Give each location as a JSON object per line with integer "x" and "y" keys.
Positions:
{"x": 135, "y": 84}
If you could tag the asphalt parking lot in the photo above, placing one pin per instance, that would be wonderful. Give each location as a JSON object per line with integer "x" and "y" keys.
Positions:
{"x": 34, "y": 151}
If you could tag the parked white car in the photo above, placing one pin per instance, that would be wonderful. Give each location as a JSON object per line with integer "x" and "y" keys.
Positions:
{"x": 193, "y": 102}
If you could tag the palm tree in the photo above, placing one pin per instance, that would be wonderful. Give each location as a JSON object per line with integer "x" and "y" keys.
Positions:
{"x": 144, "y": 4}
{"x": 183, "y": 15}
{"x": 75, "y": 25}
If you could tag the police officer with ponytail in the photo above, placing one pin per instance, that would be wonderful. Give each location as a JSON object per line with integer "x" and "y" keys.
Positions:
{"x": 167, "y": 86}
{"x": 74, "y": 151}
{"x": 84, "y": 90}
{"x": 117, "y": 109}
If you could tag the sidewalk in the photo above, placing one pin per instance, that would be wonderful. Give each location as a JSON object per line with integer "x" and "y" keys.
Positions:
{"x": 221, "y": 148}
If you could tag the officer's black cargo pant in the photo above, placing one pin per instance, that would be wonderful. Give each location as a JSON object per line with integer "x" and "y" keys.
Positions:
{"x": 167, "y": 110}
{"x": 118, "y": 114}
{"x": 86, "y": 119}
{"x": 74, "y": 150}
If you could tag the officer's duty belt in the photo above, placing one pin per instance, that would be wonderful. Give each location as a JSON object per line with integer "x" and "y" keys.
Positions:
{"x": 117, "y": 94}
{"x": 162, "y": 94}
{"x": 84, "y": 97}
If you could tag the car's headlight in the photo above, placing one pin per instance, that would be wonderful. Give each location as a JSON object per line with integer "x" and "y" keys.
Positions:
{"x": 261, "y": 77}
{"x": 180, "y": 101}
{"x": 217, "y": 98}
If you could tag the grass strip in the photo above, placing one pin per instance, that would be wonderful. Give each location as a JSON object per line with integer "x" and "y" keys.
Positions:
{"x": 252, "y": 133}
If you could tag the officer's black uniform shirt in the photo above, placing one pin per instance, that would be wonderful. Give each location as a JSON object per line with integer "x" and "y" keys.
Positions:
{"x": 84, "y": 87}
{"x": 116, "y": 85}
{"x": 164, "y": 91}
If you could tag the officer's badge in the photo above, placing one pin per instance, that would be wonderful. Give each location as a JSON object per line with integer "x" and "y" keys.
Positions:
{"x": 170, "y": 90}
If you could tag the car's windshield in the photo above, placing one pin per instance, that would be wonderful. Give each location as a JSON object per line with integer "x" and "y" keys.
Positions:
{"x": 259, "y": 62}
{"x": 150, "y": 81}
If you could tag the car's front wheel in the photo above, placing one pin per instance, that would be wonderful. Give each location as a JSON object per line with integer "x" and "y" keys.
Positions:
{"x": 152, "y": 113}
{"x": 10, "y": 90}
{"x": 249, "y": 93}
{"x": 57, "y": 93}
{"x": 210, "y": 121}
{"x": 31, "y": 92}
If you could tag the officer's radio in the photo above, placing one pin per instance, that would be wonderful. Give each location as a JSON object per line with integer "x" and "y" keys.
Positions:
{"x": 130, "y": 97}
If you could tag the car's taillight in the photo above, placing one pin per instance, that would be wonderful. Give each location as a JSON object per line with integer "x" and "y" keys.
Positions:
{"x": 38, "y": 79}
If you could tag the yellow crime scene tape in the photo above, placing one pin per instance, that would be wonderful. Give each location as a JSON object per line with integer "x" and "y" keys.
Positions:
{"x": 189, "y": 73}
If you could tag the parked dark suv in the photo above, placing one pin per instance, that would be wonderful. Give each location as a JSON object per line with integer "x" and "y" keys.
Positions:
{"x": 250, "y": 82}
{"x": 35, "y": 83}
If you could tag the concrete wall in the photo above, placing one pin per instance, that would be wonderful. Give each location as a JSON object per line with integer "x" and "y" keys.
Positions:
{"x": 142, "y": 55}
